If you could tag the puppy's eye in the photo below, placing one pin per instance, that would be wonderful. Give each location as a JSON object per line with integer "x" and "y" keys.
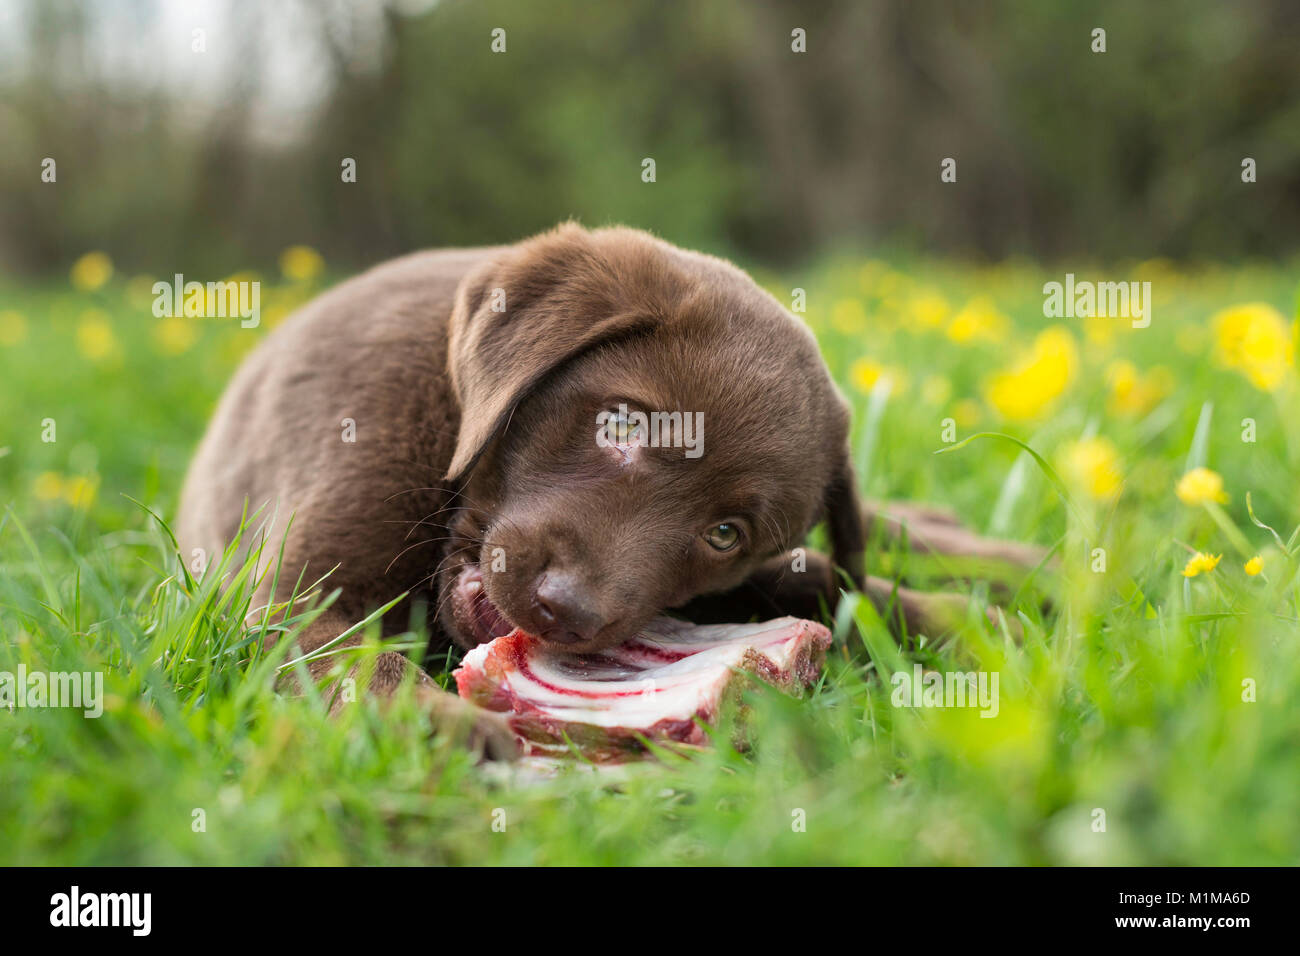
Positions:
{"x": 620, "y": 429}
{"x": 722, "y": 537}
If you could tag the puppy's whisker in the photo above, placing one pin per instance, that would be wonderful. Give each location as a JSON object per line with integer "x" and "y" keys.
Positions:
{"x": 445, "y": 596}
{"x": 450, "y": 537}
{"x": 410, "y": 491}
{"x": 431, "y": 577}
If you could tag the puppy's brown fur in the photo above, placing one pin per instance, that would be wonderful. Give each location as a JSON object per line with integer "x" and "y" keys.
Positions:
{"x": 476, "y": 482}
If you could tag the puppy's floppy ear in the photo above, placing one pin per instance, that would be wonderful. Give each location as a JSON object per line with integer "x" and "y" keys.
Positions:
{"x": 844, "y": 520}
{"x": 518, "y": 318}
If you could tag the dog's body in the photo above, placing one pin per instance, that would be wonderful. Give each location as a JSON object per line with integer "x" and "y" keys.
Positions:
{"x": 432, "y": 428}
{"x": 345, "y": 417}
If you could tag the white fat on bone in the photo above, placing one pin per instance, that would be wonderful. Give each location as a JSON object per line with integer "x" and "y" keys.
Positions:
{"x": 656, "y": 683}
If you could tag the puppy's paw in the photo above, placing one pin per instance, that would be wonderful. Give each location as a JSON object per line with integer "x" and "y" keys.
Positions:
{"x": 484, "y": 732}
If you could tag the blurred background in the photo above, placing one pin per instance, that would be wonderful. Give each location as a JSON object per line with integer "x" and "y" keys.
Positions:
{"x": 206, "y": 154}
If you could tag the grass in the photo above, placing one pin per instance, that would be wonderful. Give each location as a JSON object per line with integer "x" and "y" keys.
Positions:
{"x": 1131, "y": 694}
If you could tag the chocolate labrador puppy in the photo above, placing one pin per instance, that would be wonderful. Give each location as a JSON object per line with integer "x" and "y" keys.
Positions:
{"x": 571, "y": 434}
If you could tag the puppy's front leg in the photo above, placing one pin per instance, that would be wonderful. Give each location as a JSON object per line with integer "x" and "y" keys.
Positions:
{"x": 482, "y": 730}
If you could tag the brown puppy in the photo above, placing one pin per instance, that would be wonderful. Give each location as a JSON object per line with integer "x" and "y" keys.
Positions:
{"x": 499, "y": 467}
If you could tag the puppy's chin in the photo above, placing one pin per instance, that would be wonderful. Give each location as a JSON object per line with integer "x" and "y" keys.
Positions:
{"x": 474, "y": 618}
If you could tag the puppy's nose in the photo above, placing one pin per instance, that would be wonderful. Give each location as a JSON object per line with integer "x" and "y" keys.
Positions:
{"x": 565, "y": 610}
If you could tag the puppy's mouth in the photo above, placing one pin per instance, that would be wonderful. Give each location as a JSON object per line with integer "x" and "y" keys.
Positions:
{"x": 477, "y": 618}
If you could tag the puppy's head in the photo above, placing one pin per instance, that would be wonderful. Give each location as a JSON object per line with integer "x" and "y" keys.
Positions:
{"x": 640, "y": 425}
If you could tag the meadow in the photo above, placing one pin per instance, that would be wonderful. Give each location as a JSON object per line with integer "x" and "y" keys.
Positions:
{"x": 1149, "y": 669}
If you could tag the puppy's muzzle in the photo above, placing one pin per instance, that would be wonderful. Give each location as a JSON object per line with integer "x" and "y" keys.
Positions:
{"x": 565, "y": 611}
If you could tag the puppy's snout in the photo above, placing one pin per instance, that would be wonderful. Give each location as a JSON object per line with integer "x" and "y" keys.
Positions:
{"x": 565, "y": 610}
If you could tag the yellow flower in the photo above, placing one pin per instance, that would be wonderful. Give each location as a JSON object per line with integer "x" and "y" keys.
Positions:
{"x": 1026, "y": 390}
{"x": 978, "y": 320}
{"x": 48, "y": 486}
{"x": 175, "y": 334}
{"x": 79, "y": 492}
{"x": 95, "y": 339}
{"x": 301, "y": 263}
{"x": 848, "y": 317}
{"x": 929, "y": 310}
{"x": 91, "y": 271}
{"x": 1199, "y": 486}
{"x": 1254, "y": 565}
{"x": 1133, "y": 393}
{"x": 1254, "y": 339}
{"x": 13, "y": 327}
{"x": 1091, "y": 465}
{"x": 1201, "y": 563}
{"x": 866, "y": 372}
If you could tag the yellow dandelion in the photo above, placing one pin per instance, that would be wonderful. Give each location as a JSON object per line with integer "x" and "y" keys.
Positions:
{"x": 91, "y": 271}
{"x": 13, "y": 328}
{"x": 1199, "y": 486}
{"x": 79, "y": 491}
{"x": 48, "y": 486}
{"x": 1122, "y": 375}
{"x": 175, "y": 334}
{"x": 301, "y": 263}
{"x": 1025, "y": 391}
{"x": 865, "y": 373}
{"x": 849, "y": 317}
{"x": 1091, "y": 465}
{"x": 1201, "y": 563}
{"x": 1254, "y": 339}
{"x": 95, "y": 339}
{"x": 979, "y": 320}
{"x": 929, "y": 310}
{"x": 1135, "y": 393}
{"x": 1254, "y": 565}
